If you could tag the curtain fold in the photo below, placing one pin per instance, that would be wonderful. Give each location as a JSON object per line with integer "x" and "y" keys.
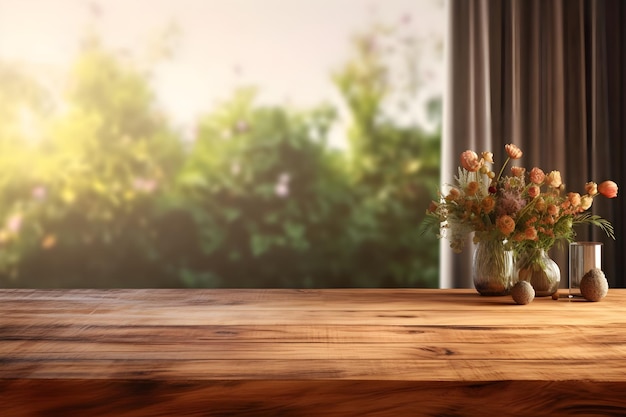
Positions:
{"x": 549, "y": 77}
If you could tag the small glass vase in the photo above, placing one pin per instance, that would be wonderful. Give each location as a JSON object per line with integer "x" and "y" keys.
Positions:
{"x": 536, "y": 267}
{"x": 493, "y": 269}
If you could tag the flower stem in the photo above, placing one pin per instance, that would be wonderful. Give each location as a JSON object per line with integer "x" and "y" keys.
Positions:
{"x": 502, "y": 169}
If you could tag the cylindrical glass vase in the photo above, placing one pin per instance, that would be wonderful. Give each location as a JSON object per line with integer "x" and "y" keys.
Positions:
{"x": 583, "y": 257}
{"x": 493, "y": 269}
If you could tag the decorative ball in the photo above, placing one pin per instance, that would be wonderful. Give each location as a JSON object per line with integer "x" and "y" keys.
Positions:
{"x": 594, "y": 285}
{"x": 523, "y": 292}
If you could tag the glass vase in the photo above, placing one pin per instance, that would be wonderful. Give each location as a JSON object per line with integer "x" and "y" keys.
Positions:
{"x": 536, "y": 267}
{"x": 493, "y": 269}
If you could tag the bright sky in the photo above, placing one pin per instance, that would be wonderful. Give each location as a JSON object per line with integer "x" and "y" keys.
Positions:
{"x": 287, "y": 47}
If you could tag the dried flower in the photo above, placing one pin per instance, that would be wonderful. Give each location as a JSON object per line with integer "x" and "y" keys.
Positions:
{"x": 527, "y": 210}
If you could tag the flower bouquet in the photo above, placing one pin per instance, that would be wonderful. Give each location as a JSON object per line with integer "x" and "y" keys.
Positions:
{"x": 523, "y": 212}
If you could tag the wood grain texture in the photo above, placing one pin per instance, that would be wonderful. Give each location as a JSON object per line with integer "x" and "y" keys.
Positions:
{"x": 343, "y": 352}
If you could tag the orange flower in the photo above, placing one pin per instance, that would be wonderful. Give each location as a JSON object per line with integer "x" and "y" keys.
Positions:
{"x": 453, "y": 195}
{"x": 472, "y": 188}
{"x": 608, "y": 189}
{"x": 513, "y": 151}
{"x": 537, "y": 175}
{"x": 470, "y": 161}
{"x": 553, "y": 209}
{"x": 530, "y": 233}
{"x": 505, "y": 224}
{"x": 574, "y": 198}
{"x": 488, "y": 204}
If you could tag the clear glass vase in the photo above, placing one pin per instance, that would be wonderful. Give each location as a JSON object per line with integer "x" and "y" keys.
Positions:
{"x": 493, "y": 269}
{"x": 536, "y": 267}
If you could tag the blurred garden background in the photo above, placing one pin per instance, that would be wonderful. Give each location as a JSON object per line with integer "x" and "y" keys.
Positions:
{"x": 140, "y": 145}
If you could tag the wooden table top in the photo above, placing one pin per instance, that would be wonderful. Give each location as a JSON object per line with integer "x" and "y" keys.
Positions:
{"x": 382, "y": 352}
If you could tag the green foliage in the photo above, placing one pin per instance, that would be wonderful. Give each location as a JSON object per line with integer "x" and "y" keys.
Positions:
{"x": 108, "y": 195}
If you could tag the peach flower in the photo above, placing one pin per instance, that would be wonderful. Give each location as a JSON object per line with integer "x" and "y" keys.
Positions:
{"x": 537, "y": 175}
{"x": 591, "y": 188}
{"x": 534, "y": 191}
{"x": 574, "y": 199}
{"x": 513, "y": 151}
{"x": 553, "y": 179}
{"x": 553, "y": 209}
{"x": 608, "y": 189}
{"x": 470, "y": 161}
{"x": 518, "y": 171}
{"x": 488, "y": 157}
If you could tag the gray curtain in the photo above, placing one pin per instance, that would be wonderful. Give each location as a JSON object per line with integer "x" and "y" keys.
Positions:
{"x": 548, "y": 76}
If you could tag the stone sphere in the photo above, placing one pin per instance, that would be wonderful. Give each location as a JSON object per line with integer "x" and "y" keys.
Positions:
{"x": 522, "y": 292}
{"x": 594, "y": 285}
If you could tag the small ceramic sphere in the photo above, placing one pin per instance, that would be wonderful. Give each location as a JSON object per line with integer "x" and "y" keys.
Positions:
{"x": 523, "y": 292}
{"x": 594, "y": 285}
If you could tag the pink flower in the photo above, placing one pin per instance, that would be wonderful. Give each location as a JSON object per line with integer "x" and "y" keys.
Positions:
{"x": 534, "y": 191}
{"x": 513, "y": 151}
{"x": 608, "y": 189}
{"x": 537, "y": 175}
{"x": 510, "y": 202}
{"x": 470, "y": 161}
{"x": 553, "y": 179}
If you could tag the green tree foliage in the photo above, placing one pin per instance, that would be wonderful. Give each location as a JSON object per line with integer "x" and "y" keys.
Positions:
{"x": 108, "y": 195}
{"x": 394, "y": 168}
